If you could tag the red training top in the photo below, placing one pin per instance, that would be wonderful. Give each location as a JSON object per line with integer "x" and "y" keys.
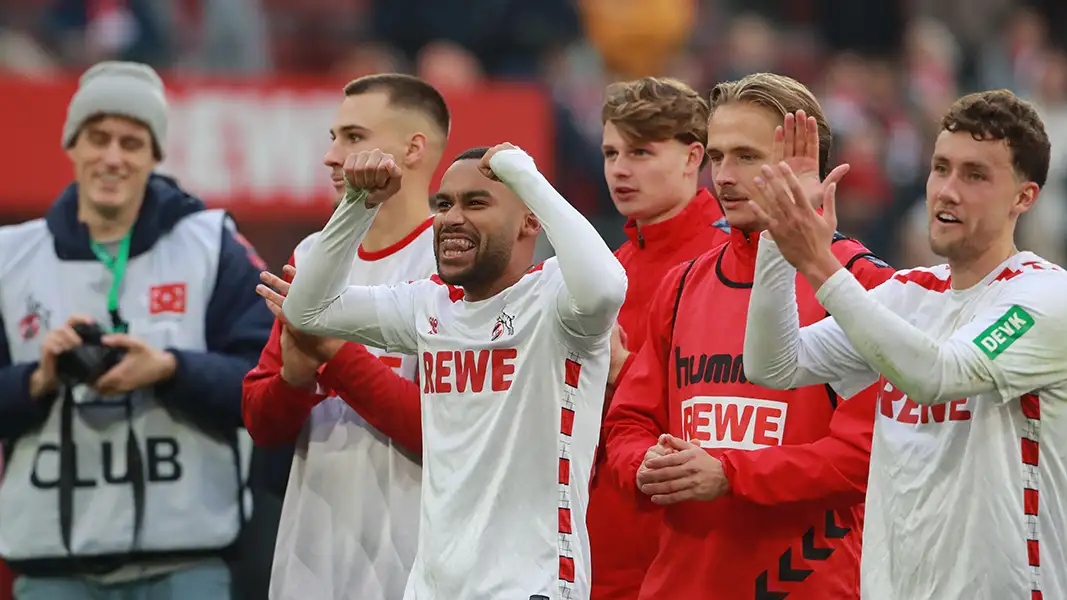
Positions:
{"x": 614, "y": 521}
{"x": 796, "y": 460}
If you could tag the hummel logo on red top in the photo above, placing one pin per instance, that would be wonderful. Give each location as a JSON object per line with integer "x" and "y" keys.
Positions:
{"x": 716, "y": 368}
{"x": 167, "y": 298}
{"x": 433, "y": 326}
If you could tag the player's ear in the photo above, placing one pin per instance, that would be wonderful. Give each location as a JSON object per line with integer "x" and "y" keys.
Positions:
{"x": 695, "y": 159}
{"x": 416, "y": 150}
{"x": 530, "y": 225}
{"x": 1025, "y": 199}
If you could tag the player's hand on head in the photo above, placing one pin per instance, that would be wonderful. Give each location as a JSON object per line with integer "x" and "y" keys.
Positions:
{"x": 796, "y": 143}
{"x": 483, "y": 165}
{"x": 374, "y": 172}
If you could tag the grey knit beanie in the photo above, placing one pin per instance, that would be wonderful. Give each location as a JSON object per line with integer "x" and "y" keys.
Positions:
{"x": 126, "y": 89}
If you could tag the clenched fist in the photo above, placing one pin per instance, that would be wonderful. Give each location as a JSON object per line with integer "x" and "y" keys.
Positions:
{"x": 374, "y": 172}
{"x": 484, "y": 167}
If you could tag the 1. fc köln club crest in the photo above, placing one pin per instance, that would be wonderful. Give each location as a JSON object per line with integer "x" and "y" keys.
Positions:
{"x": 36, "y": 319}
{"x": 504, "y": 323}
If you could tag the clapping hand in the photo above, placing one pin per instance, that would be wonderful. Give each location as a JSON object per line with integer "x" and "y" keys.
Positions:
{"x": 796, "y": 143}
{"x": 802, "y": 233}
{"x": 675, "y": 470}
{"x": 302, "y": 354}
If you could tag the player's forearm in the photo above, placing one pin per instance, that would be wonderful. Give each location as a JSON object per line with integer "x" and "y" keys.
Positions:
{"x": 798, "y": 474}
{"x": 274, "y": 412}
{"x": 388, "y": 402}
{"x": 631, "y": 426}
{"x": 626, "y": 445}
{"x": 830, "y": 472}
{"x": 927, "y": 371}
{"x": 595, "y": 281}
{"x": 772, "y": 333}
{"x": 320, "y": 301}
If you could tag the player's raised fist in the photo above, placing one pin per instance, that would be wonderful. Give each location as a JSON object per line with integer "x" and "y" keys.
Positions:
{"x": 484, "y": 165}
{"x": 375, "y": 172}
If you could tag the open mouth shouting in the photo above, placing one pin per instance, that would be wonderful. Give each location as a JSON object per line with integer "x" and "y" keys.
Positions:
{"x": 455, "y": 247}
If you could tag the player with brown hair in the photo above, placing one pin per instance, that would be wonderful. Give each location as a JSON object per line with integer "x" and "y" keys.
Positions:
{"x": 969, "y": 458}
{"x": 655, "y": 130}
{"x": 349, "y": 524}
{"x": 762, "y": 489}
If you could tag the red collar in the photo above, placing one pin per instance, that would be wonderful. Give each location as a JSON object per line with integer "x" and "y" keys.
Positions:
{"x": 744, "y": 245}
{"x": 701, "y": 212}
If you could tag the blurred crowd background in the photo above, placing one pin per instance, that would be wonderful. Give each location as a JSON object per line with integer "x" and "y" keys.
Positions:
{"x": 883, "y": 69}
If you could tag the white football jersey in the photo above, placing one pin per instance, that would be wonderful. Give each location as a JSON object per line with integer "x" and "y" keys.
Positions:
{"x": 966, "y": 499}
{"x": 349, "y": 524}
{"x": 512, "y": 393}
{"x": 511, "y": 407}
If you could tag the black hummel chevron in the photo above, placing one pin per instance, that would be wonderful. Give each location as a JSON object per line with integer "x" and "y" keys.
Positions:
{"x": 762, "y": 593}
{"x": 833, "y": 532}
{"x": 810, "y": 550}
{"x": 786, "y": 572}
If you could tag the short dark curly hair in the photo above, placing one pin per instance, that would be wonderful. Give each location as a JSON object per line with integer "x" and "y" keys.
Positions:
{"x": 1001, "y": 115}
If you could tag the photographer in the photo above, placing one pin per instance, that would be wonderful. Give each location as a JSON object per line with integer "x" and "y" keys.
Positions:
{"x": 128, "y": 318}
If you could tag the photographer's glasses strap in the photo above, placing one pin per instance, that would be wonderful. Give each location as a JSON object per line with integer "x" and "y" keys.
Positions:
{"x": 117, "y": 265}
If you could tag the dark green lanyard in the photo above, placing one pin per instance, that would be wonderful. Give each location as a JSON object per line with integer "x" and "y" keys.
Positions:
{"x": 117, "y": 266}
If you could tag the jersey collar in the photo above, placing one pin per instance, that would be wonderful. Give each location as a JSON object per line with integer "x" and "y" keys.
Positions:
{"x": 700, "y": 213}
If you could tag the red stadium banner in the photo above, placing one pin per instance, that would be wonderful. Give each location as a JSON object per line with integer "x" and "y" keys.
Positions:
{"x": 254, "y": 147}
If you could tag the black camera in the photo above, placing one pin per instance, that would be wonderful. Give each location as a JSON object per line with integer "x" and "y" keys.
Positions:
{"x": 87, "y": 362}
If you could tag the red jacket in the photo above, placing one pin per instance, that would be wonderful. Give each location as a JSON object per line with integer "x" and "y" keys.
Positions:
{"x": 796, "y": 460}
{"x": 614, "y": 521}
{"x": 652, "y": 250}
{"x": 275, "y": 412}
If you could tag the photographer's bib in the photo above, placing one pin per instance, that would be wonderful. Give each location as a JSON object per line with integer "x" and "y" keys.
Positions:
{"x": 104, "y": 477}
